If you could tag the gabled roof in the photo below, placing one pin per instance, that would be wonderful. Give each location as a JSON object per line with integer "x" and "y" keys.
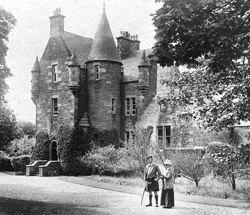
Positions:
{"x": 66, "y": 44}
{"x": 104, "y": 47}
{"x": 81, "y": 45}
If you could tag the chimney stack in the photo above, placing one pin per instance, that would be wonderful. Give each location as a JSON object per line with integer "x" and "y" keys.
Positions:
{"x": 56, "y": 23}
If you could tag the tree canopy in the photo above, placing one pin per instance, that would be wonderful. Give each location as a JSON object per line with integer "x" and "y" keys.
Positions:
{"x": 7, "y": 22}
{"x": 8, "y": 128}
{"x": 211, "y": 38}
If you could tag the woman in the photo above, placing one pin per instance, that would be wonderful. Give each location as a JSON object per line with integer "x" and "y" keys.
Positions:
{"x": 167, "y": 195}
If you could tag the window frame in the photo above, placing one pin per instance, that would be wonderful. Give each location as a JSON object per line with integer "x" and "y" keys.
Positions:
{"x": 130, "y": 106}
{"x": 55, "y": 108}
{"x": 165, "y": 137}
{"x": 97, "y": 72}
{"x": 113, "y": 105}
{"x": 54, "y": 69}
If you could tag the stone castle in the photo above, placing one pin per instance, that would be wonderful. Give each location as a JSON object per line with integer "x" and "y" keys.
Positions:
{"x": 88, "y": 82}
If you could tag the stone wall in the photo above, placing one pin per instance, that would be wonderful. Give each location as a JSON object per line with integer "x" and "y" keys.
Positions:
{"x": 55, "y": 53}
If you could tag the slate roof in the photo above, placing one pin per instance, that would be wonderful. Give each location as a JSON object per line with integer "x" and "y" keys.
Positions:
{"x": 81, "y": 45}
{"x": 66, "y": 44}
{"x": 104, "y": 47}
{"x": 131, "y": 71}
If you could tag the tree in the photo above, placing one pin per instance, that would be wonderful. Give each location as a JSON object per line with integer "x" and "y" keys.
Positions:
{"x": 8, "y": 129}
{"x": 229, "y": 161}
{"x": 7, "y": 22}
{"x": 211, "y": 38}
{"x": 26, "y": 128}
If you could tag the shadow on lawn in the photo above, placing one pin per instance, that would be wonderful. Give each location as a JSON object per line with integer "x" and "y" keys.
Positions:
{"x": 21, "y": 207}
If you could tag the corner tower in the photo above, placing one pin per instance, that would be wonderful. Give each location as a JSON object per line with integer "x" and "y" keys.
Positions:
{"x": 104, "y": 80}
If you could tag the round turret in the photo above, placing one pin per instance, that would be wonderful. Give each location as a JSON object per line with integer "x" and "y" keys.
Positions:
{"x": 74, "y": 74}
{"x": 104, "y": 80}
{"x": 144, "y": 74}
{"x": 35, "y": 81}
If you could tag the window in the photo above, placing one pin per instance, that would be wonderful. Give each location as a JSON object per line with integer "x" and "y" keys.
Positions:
{"x": 54, "y": 73}
{"x": 113, "y": 106}
{"x": 97, "y": 72}
{"x": 129, "y": 135}
{"x": 163, "y": 134}
{"x": 54, "y": 106}
{"x": 130, "y": 106}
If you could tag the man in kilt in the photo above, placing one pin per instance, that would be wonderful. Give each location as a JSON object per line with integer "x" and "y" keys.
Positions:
{"x": 151, "y": 175}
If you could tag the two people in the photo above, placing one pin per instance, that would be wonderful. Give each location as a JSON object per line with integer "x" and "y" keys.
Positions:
{"x": 152, "y": 176}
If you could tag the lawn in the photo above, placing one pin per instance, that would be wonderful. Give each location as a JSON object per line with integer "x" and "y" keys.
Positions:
{"x": 208, "y": 186}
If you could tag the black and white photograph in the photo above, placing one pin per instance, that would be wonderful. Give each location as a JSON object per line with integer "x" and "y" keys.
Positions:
{"x": 124, "y": 107}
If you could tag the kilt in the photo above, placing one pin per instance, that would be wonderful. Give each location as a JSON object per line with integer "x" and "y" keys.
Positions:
{"x": 152, "y": 185}
{"x": 167, "y": 198}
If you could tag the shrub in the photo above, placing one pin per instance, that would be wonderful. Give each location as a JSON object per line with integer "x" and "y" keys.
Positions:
{"x": 188, "y": 162}
{"x": 41, "y": 149}
{"x": 105, "y": 137}
{"x": 229, "y": 161}
{"x": 5, "y": 162}
{"x": 139, "y": 148}
{"x": 72, "y": 144}
{"x": 19, "y": 163}
{"x": 109, "y": 160}
{"x": 21, "y": 146}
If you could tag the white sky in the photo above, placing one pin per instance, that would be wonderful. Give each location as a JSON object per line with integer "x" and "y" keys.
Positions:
{"x": 31, "y": 33}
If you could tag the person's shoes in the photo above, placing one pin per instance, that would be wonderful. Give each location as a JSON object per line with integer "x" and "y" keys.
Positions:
{"x": 166, "y": 207}
{"x": 156, "y": 205}
{"x": 149, "y": 205}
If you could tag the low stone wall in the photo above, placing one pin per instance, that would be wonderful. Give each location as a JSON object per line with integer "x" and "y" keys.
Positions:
{"x": 51, "y": 168}
{"x": 33, "y": 169}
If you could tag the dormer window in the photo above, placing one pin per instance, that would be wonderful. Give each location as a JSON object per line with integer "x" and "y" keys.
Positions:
{"x": 97, "y": 72}
{"x": 54, "y": 73}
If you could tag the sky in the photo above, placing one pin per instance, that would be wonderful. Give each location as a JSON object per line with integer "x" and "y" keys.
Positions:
{"x": 31, "y": 33}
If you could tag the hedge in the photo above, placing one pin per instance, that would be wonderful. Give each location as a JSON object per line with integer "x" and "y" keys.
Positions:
{"x": 5, "y": 164}
{"x": 41, "y": 149}
{"x": 19, "y": 163}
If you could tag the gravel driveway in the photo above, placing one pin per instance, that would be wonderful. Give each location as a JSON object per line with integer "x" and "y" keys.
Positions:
{"x": 49, "y": 195}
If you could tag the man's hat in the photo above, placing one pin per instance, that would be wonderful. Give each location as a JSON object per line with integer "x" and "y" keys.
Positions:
{"x": 150, "y": 156}
{"x": 168, "y": 162}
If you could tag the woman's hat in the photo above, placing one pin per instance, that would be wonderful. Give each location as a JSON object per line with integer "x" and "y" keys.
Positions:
{"x": 150, "y": 156}
{"x": 168, "y": 162}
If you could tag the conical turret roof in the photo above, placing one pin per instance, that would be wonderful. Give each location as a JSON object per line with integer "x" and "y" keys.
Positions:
{"x": 36, "y": 67}
{"x": 144, "y": 61}
{"x": 103, "y": 47}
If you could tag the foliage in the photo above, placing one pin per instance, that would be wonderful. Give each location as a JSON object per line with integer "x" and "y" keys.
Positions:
{"x": 140, "y": 148}
{"x": 26, "y": 128}
{"x": 230, "y": 161}
{"x": 72, "y": 144}
{"x": 41, "y": 149}
{"x": 212, "y": 37}
{"x": 7, "y": 127}
{"x": 23, "y": 146}
{"x": 109, "y": 160}
{"x": 105, "y": 137}
{"x": 126, "y": 160}
{"x": 180, "y": 132}
{"x": 188, "y": 162}
{"x": 7, "y": 22}
{"x": 19, "y": 163}
{"x": 5, "y": 162}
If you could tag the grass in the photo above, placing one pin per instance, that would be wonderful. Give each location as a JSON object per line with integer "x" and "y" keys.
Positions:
{"x": 208, "y": 186}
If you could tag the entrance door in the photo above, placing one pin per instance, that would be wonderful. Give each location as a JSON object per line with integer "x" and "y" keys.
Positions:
{"x": 53, "y": 151}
